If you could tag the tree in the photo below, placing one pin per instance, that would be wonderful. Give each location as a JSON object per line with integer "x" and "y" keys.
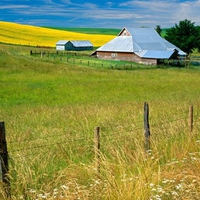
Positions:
{"x": 184, "y": 35}
{"x": 198, "y": 39}
{"x": 158, "y": 29}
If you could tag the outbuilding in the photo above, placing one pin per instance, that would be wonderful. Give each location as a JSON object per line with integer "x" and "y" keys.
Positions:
{"x": 73, "y": 45}
{"x": 142, "y": 45}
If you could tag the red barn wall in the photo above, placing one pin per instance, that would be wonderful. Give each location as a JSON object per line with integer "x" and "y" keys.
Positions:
{"x": 125, "y": 56}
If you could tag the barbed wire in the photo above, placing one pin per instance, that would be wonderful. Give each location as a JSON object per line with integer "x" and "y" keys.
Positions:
{"x": 47, "y": 145}
{"x": 39, "y": 138}
{"x": 103, "y": 136}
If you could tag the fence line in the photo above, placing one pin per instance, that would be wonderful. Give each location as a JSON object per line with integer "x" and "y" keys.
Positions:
{"x": 29, "y": 153}
{"x": 46, "y": 145}
{"x": 132, "y": 129}
{"x": 49, "y": 136}
{"x": 60, "y": 54}
{"x": 42, "y": 53}
{"x": 103, "y": 136}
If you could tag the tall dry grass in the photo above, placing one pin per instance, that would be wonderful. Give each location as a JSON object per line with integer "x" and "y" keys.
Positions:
{"x": 59, "y": 163}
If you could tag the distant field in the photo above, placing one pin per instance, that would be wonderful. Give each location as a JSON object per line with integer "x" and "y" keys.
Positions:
{"x": 13, "y": 33}
{"x": 19, "y": 34}
{"x": 104, "y": 31}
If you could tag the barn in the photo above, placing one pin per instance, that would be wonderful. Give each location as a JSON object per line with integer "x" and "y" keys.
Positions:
{"x": 142, "y": 45}
{"x": 73, "y": 45}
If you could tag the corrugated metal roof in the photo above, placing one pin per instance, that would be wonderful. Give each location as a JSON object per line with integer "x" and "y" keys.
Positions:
{"x": 62, "y": 42}
{"x": 81, "y": 43}
{"x": 155, "y": 54}
{"x": 119, "y": 44}
{"x": 145, "y": 42}
{"x": 76, "y": 43}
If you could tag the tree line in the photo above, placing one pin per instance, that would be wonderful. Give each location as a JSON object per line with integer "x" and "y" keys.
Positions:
{"x": 185, "y": 35}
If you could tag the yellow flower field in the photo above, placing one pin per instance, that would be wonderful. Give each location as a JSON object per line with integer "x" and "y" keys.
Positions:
{"x": 13, "y": 33}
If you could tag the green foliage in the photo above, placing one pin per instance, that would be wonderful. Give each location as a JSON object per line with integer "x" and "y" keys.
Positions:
{"x": 184, "y": 35}
{"x": 104, "y": 31}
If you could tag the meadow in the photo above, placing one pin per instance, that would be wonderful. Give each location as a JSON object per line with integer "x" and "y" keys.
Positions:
{"x": 51, "y": 108}
{"x": 98, "y": 31}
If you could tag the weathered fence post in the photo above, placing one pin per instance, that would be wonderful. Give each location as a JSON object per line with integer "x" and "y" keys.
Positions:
{"x": 146, "y": 127}
{"x": 97, "y": 148}
{"x": 4, "y": 160}
{"x": 190, "y": 120}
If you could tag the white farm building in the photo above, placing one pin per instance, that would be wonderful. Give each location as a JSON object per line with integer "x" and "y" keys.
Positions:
{"x": 73, "y": 45}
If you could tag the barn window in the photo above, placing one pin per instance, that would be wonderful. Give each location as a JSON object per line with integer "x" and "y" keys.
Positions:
{"x": 113, "y": 55}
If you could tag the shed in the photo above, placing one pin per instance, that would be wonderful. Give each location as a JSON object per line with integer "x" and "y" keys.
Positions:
{"x": 61, "y": 45}
{"x": 74, "y": 45}
{"x": 142, "y": 45}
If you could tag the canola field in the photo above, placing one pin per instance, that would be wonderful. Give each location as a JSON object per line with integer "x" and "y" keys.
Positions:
{"x": 13, "y": 33}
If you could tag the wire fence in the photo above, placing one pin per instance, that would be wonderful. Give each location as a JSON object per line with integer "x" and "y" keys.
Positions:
{"x": 87, "y": 145}
{"x": 75, "y": 57}
{"x": 128, "y": 133}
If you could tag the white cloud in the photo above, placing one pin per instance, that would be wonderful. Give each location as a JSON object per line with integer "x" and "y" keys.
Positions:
{"x": 66, "y": 1}
{"x": 14, "y": 7}
{"x": 90, "y": 6}
{"x": 48, "y": 1}
{"x": 165, "y": 13}
{"x": 110, "y": 4}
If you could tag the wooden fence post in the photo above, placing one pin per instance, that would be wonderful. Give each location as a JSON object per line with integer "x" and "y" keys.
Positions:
{"x": 190, "y": 120}
{"x": 146, "y": 127}
{"x": 97, "y": 148}
{"x": 4, "y": 160}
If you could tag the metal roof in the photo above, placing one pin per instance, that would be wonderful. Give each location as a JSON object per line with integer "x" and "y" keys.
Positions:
{"x": 118, "y": 44}
{"x": 155, "y": 54}
{"x": 62, "y": 42}
{"x": 76, "y": 43}
{"x": 145, "y": 42}
{"x": 81, "y": 43}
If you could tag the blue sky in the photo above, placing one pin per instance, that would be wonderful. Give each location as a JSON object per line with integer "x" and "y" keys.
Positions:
{"x": 100, "y": 13}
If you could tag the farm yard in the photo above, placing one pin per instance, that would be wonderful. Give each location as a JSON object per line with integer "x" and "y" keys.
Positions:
{"x": 52, "y": 108}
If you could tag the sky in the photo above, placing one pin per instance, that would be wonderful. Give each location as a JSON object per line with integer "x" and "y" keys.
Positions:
{"x": 100, "y": 13}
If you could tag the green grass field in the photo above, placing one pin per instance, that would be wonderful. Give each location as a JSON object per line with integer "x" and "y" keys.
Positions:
{"x": 51, "y": 107}
{"x": 98, "y": 31}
